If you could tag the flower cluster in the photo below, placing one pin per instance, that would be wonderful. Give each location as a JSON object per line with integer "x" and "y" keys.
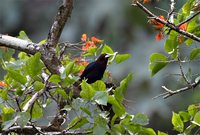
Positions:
{"x": 3, "y": 84}
{"x": 89, "y": 43}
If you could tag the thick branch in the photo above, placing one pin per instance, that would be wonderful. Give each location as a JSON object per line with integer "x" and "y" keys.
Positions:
{"x": 18, "y": 44}
{"x": 63, "y": 14}
{"x": 169, "y": 25}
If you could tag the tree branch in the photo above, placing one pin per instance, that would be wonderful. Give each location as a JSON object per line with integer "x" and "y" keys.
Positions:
{"x": 19, "y": 44}
{"x": 63, "y": 14}
{"x": 169, "y": 92}
{"x": 169, "y": 25}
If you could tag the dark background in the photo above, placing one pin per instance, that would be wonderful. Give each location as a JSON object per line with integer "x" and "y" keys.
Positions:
{"x": 126, "y": 30}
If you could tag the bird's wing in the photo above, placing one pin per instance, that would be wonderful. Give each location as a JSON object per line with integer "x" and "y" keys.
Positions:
{"x": 90, "y": 67}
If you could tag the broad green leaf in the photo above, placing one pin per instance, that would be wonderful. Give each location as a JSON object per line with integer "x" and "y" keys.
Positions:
{"x": 55, "y": 79}
{"x": 118, "y": 108}
{"x": 34, "y": 65}
{"x": 42, "y": 42}
{"x": 7, "y": 113}
{"x": 22, "y": 118}
{"x": 23, "y": 35}
{"x": 192, "y": 109}
{"x": 101, "y": 97}
{"x": 38, "y": 86}
{"x": 194, "y": 53}
{"x": 197, "y": 117}
{"x": 87, "y": 92}
{"x": 37, "y": 111}
{"x": 6, "y": 53}
{"x": 157, "y": 62}
{"x": 140, "y": 119}
{"x": 86, "y": 111}
{"x": 187, "y": 7}
{"x": 177, "y": 122}
{"x": 100, "y": 127}
{"x": 120, "y": 91}
{"x": 185, "y": 116}
{"x": 147, "y": 131}
{"x": 17, "y": 76}
{"x": 122, "y": 57}
{"x": 62, "y": 93}
{"x": 189, "y": 129}
{"x": 78, "y": 122}
{"x": 107, "y": 49}
{"x": 99, "y": 86}
{"x": 4, "y": 94}
{"x": 67, "y": 70}
{"x": 7, "y": 124}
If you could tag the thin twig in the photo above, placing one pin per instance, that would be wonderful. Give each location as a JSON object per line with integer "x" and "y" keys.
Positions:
{"x": 189, "y": 18}
{"x": 169, "y": 92}
{"x": 167, "y": 24}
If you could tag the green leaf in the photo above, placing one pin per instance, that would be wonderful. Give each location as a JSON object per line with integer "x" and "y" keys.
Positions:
{"x": 100, "y": 127}
{"x": 34, "y": 65}
{"x": 185, "y": 116}
{"x": 87, "y": 111}
{"x": 117, "y": 107}
{"x": 140, "y": 119}
{"x": 55, "y": 79}
{"x": 78, "y": 122}
{"x": 192, "y": 109}
{"x": 177, "y": 122}
{"x": 37, "y": 111}
{"x": 122, "y": 57}
{"x": 42, "y": 42}
{"x": 120, "y": 91}
{"x": 197, "y": 117}
{"x": 22, "y": 118}
{"x": 23, "y": 35}
{"x": 87, "y": 91}
{"x": 17, "y": 76}
{"x": 67, "y": 70}
{"x": 4, "y": 94}
{"x": 187, "y": 7}
{"x": 194, "y": 53}
{"x": 7, "y": 113}
{"x": 101, "y": 97}
{"x": 99, "y": 86}
{"x": 38, "y": 86}
{"x": 107, "y": 49}
{"x": 157, "y": 62}
{"x": 62, "y": 93}
{"x": 147, "y": 131}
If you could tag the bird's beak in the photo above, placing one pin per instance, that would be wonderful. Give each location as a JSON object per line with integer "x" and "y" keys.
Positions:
{"x": 108, "y": 55}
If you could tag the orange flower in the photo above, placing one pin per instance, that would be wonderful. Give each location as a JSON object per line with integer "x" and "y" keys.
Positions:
{"x": 81, "y": 62}
{"x": 96, "y": 40}
{"x": 88, "y": 45}
{"x": 183, "y": 26}
{"x": 146, "y": 1}
{"x": 84, "y": 37}
{"x": 3, "y": 84}
{"x": 159, "y": 36}
{"x": 157, "y": 25}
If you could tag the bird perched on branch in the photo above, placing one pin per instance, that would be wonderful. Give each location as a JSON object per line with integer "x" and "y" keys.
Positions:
{"x": 95, "y": 70}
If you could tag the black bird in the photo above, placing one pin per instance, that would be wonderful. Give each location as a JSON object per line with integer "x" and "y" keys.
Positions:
{"x": 95, "y": 70}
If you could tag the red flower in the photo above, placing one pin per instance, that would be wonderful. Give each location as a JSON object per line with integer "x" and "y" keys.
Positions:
{"x": 146, "y": 1}
{"x": 159, "y": 36}
{"x": 157, "y": 25}
{"x": 88, "y": 45}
